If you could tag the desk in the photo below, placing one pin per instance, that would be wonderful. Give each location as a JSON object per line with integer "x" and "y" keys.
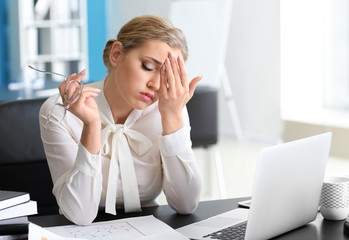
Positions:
{"x": 318, "y": 229}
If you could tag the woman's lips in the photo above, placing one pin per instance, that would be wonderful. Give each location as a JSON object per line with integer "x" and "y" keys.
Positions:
{"x": 148, "y": 97}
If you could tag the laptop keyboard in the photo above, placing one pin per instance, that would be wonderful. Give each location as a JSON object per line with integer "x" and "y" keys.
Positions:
{"x": 236, "y": 232}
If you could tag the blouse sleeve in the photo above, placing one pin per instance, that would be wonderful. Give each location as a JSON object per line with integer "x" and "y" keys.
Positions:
{"x": 76, "y": 174}
{"x": 182, "y": 183}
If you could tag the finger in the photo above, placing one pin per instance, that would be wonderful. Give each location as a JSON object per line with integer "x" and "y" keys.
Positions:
{"x": 193, "y": 84}
{"x": 183, "y": 72}
{"x": 163, "y": 80}
{"x": 175, "y": 70}
{"x": 85, "y": 94}
{"x": 73, "y": 90}
{"x": 73, "y": 87}
{"x": 62, "y": 86}
{"x": 91, "y": 92}
{"x": 90, "y": 89}
{"x": 169, "y": 75}
{"x": 80, "y": 75}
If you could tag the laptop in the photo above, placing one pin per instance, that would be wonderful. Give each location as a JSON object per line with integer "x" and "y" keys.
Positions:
{"x": 285, "y": 196}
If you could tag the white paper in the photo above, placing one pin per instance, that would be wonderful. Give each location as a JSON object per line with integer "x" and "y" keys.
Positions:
{"x": 139, "y": 228}
{"x": 38, "y": 233}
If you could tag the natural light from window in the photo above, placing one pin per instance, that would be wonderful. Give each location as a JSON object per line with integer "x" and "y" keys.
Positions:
{"x": 314, "y": 61}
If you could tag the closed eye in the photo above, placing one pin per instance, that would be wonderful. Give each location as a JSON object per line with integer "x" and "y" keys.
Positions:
{"x": 146, "y": 68}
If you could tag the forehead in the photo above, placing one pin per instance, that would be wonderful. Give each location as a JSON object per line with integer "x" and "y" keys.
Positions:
{"x": 156, "y": 49}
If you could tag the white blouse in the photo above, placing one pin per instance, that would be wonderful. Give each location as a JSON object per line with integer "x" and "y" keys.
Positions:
{"x": 84, "y": 182}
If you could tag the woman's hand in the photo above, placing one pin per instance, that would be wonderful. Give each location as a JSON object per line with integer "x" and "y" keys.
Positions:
{"x": 174, "y": 93}
{"x": 85, "y": 108}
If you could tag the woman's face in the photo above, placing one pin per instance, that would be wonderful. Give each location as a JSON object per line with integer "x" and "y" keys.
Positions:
{"x": 137, "y": 73}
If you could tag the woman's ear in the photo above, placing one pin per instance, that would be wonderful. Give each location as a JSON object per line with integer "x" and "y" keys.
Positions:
{"x": 115, "y": 53}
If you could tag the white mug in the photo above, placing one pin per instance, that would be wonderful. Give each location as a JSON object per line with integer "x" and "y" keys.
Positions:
{"x": 335, "y": 198}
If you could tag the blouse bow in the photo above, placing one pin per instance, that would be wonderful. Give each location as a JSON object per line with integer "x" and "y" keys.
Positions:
{"x": 123, "y": 138}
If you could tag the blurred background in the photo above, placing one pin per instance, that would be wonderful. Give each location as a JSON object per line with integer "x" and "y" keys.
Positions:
{"x": 281, "y": 68}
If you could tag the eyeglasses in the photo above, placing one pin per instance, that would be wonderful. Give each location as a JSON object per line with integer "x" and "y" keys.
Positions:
{"x": 71, "y": 94}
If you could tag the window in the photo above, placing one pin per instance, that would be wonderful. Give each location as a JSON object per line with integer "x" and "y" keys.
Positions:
{"x": 336, "y": 54}
{"x": 314, "y": 61}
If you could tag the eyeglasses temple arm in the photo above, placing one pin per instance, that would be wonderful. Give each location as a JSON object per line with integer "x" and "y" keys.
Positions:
{"x": 47, "y": 71}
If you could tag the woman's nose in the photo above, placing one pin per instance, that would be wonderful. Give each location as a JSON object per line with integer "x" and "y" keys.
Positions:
{"x": 154, "y": 83}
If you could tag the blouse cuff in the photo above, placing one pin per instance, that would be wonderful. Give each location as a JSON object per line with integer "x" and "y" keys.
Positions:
{"x": 86, "y": 162}
{"x": 175, "y": 143}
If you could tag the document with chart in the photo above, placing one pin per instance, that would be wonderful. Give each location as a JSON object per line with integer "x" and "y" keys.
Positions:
{"x": 140, "y": 228}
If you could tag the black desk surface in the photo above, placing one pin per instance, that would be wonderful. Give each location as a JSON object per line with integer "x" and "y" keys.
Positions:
{"x": 318, "y": 229}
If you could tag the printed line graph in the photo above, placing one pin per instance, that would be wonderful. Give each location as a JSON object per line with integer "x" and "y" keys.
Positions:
{"x": 133, "y": 228}
{"x": 120, "y": 229}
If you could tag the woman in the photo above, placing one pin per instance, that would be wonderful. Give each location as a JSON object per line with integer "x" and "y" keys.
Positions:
{"x": 128, "y": 137}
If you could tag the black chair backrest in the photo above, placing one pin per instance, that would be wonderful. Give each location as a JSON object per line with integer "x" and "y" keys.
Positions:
{"x": 203, "y": 115}
{"x": 23, "y": 165}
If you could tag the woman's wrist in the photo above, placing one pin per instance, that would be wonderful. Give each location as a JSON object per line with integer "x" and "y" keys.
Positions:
{"x": 91, "y": 137}
{"x": 171, "y": 124}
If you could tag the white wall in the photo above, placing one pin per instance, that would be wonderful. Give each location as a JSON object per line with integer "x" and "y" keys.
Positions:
{"x": 120, "y": 12}
{"x": 252, "y": 60}
{"x": 253, "y": 64}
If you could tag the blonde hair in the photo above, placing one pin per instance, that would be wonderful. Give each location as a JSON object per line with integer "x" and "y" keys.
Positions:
{"x": 144, "y": 28}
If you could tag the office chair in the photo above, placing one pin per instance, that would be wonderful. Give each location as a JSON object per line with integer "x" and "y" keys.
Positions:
{"x": 23, "y": 165}
{"x": 203, "y": 114}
